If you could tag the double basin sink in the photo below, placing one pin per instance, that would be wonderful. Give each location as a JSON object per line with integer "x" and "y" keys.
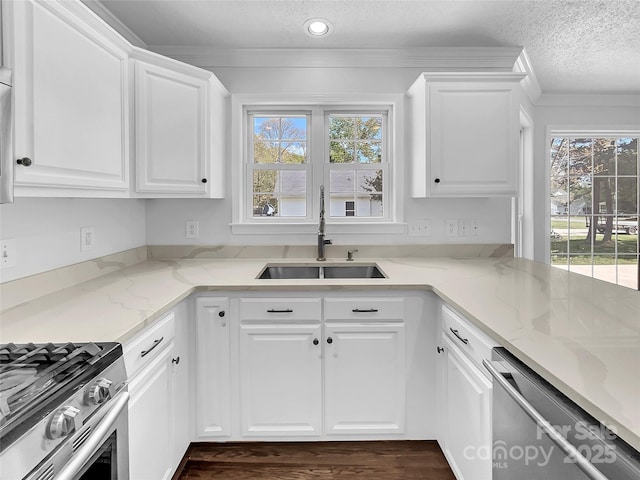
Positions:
{"x": 289, "y": 271}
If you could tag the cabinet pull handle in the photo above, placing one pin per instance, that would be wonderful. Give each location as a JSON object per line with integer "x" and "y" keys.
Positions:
{"x": 329, "y": 340}
{"x": 455, "y": 332}
{"x": 155, "y": 344}
{"x": 175, "y": 360}
{"x": 25, "y": 161}
{"x": 364, "y": 310}
{"x": 282, "y": 310}
{"x": 440, "y": 349}
{"x": 316, "y": 341}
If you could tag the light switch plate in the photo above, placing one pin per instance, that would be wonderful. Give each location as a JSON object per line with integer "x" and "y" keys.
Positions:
{"x": 87, "y": 238}
{"x": 420, "y": 228}
{"x": 8, "y": 253}
{"x": 451, "y": 228}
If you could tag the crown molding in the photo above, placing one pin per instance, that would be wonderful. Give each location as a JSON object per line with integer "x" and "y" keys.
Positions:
{"x": 588, "y": 100}
{"x": 101, "y": 11}
{"x": 530, "y": 84}
{"x": 429, "y": 58}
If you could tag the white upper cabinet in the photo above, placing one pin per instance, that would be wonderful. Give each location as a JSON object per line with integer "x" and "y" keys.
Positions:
{"x": 71, "y": 102}
{"x": 179, "y": 144}
{"x": 464, "y": 134}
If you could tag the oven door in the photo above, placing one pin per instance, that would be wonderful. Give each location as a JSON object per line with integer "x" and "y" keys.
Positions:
{"x": 99, "y": 450}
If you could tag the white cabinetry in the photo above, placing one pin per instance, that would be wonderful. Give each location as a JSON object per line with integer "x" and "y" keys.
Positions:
{"x": 280, "y": 366}
{"x": 464, "y": 134}
{"x": 465, "y": 398}
{"x": 212, "y": 374}
{"x": 365, "y": 371}
{"x": 71, "y": 101}
{"x": 157, "y": 366}
{"x": 179, "y": 128}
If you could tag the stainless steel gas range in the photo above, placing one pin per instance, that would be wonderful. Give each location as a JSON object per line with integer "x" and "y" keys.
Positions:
{"x": 63, "y": 412}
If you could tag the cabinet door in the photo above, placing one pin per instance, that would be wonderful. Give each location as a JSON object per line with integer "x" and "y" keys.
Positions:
{"x": 365, "y": 378}
{"x": 468, "y": 416}
{"x": 213, "y": 411}
{"x": 280, "y": 379}
{"x": 150, "y": 425}
{"x": 465, "y": 134}
{"x": 71, "y": 102}
{"x": 172, "y": 129}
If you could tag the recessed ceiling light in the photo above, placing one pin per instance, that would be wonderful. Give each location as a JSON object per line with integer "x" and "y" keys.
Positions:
{"x": 318, "y": 27}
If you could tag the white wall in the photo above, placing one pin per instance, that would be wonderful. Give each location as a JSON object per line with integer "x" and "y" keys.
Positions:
{"x": 47, "y": 230}
{"x": 596, "y": 116}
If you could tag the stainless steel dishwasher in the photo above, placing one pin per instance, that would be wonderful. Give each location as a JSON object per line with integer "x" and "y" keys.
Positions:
{"x": 540, "y": 434}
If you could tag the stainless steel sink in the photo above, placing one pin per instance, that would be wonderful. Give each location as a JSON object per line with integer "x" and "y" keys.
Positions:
{"x": 289, "y": 271}
{"x": 280, "y": 272}
{"x": 352, "y": 271}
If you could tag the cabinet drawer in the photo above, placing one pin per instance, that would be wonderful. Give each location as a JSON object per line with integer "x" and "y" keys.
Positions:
{"x": 474, "y": 343}
{"x": 280, "y": 309}
{"x": 146, "y": 346}
{"x": 364, "y": 308}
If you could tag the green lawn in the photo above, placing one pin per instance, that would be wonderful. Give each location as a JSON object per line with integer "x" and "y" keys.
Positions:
{"x": 562, "y": 223}
{"x": 602, "y": 252}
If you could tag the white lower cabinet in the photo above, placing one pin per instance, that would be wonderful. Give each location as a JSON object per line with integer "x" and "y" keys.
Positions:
{"x": 364, "y": 378}
{"x": 465, "y": 399}
{"x": 157, "y": 364}
{"x": 280, "y": 370}
{"x": 150, "y": 406}
{"x": 212, "y": 374}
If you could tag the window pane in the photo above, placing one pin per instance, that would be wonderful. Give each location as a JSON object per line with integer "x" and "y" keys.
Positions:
{"x": 370, "y": 181}
{"x": 279, "y": 139}
{"x": 342, "y": 152}
{"x": 265, "y": 151}
{"x": 293, "y": 152}
{"x": 369, "y": 152}
{"x": 580, "y": 151}
{"x": 628, "y": 156}
{"x": 627, "y": 195}
{"x": 342, "y": 181}
{"x": 341, "y": 128}
{"x": 369, "y": 128}
{"x": 280, "y": 193}
{"x": 604, "y": 156}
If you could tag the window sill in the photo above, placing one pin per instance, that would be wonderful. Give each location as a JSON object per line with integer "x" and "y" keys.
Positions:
{"x": 312, "y": 228}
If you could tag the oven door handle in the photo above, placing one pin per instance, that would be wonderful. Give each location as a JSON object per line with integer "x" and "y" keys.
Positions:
{"x": 572, "y": 452}
{"x": 99, "y": 435}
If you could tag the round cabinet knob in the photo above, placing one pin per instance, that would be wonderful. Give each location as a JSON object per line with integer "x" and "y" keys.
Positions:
{"x": 25, "y": 161}
{"x": 221, "y": 313}
{"x": 329, "y": 340}
{"x": 204, "y": 180}
{"x": 437, "y": 180}
{"x": 99, "y": 392}
{"x": 316, "y": 341}
{"x": 64, "y": 422}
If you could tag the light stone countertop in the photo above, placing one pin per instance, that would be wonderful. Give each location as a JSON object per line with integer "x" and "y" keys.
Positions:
{"x": 581, "y": 334}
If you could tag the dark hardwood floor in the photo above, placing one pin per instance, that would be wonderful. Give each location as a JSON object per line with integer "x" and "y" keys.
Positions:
{"x": 392, "y": 460}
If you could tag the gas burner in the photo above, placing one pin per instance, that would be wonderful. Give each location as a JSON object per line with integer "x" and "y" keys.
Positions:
{"x": 36, "y": 378}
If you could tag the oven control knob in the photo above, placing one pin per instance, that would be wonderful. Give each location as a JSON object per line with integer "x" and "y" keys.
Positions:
{"x": 99, "y": 392}
{"x": 64, "y": 422}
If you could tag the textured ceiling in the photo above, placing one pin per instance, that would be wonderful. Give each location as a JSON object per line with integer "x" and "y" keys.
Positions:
{"x": 580, "y": 46}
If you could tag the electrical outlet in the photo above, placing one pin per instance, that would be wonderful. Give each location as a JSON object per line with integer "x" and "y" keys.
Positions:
{"x": 420, "y": 228}
{"x": 8, "y": 253}
{"x": 87, "y": 238}
{"x": 463, "y": 231}
{"x": 192, "y": 229}
{"x": 475, "y": 228}
{"x": 451, "y": 228}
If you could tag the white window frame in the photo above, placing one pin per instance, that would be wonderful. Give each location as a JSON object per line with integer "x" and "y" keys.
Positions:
{"x": 243, "y": 221}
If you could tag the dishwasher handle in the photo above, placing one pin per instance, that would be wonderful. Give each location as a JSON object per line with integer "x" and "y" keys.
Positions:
{"x": 572, "y": 452}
